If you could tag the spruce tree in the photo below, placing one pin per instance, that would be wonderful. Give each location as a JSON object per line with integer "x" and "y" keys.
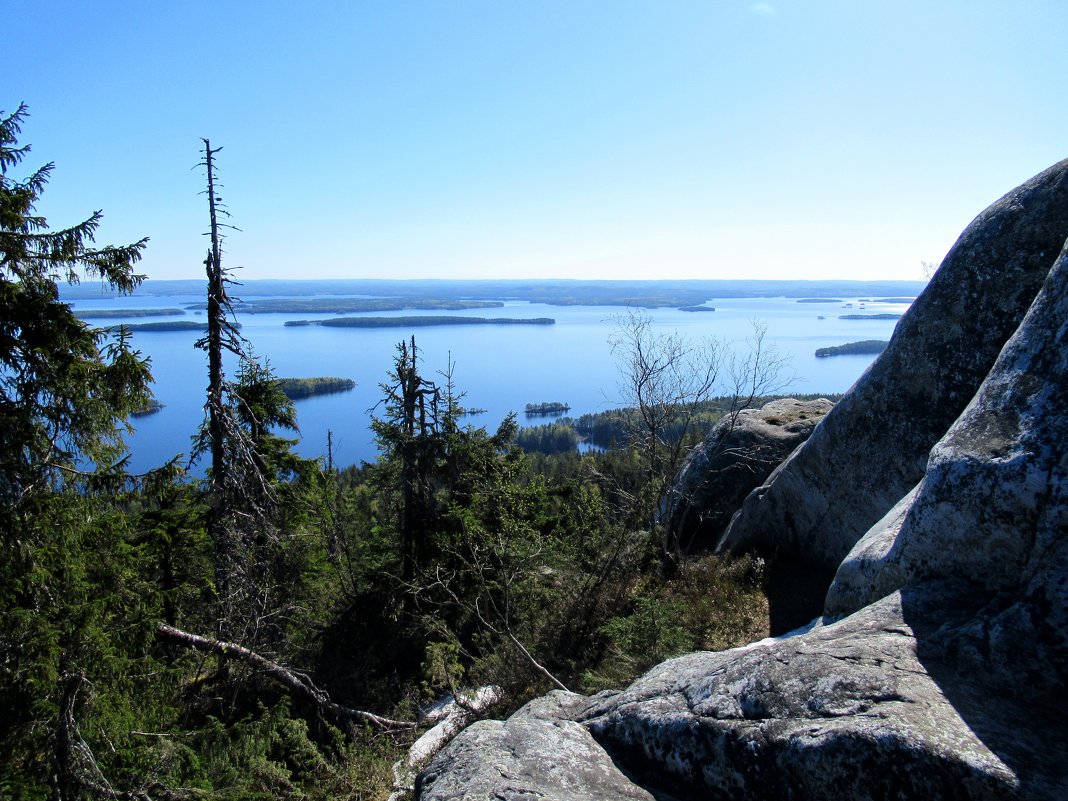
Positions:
{"x": 67, "y": 586}
{"x": 65, "y": 387}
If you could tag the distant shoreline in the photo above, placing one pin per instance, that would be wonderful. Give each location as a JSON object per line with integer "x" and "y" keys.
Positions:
{"x": 417, "y": 322}
{"x": 413, "y": 293}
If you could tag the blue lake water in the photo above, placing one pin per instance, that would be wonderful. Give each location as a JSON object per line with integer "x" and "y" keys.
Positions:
{"x": 499, "y": 368}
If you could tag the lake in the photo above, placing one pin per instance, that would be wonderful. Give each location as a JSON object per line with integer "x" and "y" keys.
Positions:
{"x": 499, "y": 368}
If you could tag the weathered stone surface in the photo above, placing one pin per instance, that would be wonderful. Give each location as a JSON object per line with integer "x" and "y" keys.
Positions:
{"x": 738, "y": 455}
{"x": 940, "y": 669}
{"x": 872, "y": 447}
{"x": 992, "y": 511}
{"x": 537, "y": 753}
{"x": 847, "y": 710}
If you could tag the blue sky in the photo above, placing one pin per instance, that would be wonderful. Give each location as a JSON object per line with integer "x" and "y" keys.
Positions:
{"x": 526, "y": 138}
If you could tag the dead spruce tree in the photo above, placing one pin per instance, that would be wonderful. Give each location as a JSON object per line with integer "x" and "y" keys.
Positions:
{"x": 240, "y": 498}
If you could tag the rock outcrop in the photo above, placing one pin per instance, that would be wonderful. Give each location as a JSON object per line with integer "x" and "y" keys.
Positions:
{"x": 737, "y": 456}
{"x": 939, "y": 667}
{"x": 872, "y": 447}
{"x": 540, "y": 752}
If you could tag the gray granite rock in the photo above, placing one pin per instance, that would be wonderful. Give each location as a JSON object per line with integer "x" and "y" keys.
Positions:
{"x": 992, "y": 512}
{"x": 737, "y": 455}
{"x": 872, "y": 447}
{"x": 537, "y": 753}
{"x": 940, "y": 669}
{"x": 847, "y": 710}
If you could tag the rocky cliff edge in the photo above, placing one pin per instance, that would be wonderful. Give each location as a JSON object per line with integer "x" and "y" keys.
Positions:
{"x": 939, "y": 667}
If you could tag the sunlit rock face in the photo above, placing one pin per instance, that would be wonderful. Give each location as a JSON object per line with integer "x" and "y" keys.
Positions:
{"x": 939, "y": 667}
{"x": 872, "y": 448}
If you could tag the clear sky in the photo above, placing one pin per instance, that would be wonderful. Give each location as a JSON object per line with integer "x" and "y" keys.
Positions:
{"x": 541, "y": 138}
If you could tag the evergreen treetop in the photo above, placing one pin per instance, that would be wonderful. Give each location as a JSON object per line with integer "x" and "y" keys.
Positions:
{"x": 64, "y": 387}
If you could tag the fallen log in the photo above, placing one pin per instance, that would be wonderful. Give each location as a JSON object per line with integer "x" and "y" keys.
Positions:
{"x": 294, "y": 681}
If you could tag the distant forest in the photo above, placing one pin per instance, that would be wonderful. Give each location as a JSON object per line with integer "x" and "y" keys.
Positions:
{"x": 556, "y": 292}
{"x": 866, "y": 346}
{"x": 410, "y": 322}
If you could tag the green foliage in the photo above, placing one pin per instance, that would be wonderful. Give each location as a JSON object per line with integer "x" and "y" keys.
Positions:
{"x": 650, "y": 634}
{"x": 296, "y": 388}
{"x": 546, "y": 408}
{"x": 71, "y": 602}
{"x": 456, "y": 559}
{"x": 64, "y": 386}
{"x": 710, "y": 604}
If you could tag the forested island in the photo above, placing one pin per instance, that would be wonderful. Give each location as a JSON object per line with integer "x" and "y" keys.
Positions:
{"x": 865, "y": 346}
{"x": 418, "y": 322}
{"x": 349, "y": 305}
{"x": 880, "y": 316}
{"x": 107, "y": 314}
{"x": 534, "y": 409}
{"x": 697, "y": 308}
{"x": 614, "y": 429}
{"x": 298, "y": 388}
{"x": 167, "y": 325}
{"x": 149, "y": 409}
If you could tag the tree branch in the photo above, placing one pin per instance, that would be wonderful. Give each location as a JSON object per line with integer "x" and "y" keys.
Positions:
{"x": 296, "y": 683}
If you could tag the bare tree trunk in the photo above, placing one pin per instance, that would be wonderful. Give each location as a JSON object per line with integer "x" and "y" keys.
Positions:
{"x": 219, "y": 533}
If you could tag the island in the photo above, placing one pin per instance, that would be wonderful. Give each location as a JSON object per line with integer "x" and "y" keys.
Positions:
{"x": 349, "y": 305}
{"x": 150, "y": 408}
{"x": 298, "y": 388}
{"x": 697, "y": 308}
{"x": 865, "y": 346}
{"x": 882, "y": 316}
{"x": 168, "y": 325}
{"x": 541, "y": 409}
{"x": 417, "y": 322}
{"x": 101, "y": 314}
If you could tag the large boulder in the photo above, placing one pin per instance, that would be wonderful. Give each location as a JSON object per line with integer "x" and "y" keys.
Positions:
{"x": 939, "y": 669}
{"x": 539, "y": 752}
{"x": 989, "y": 520}
{"x": 940, "y": 666}
{"x": 737, "y": 455}
{"x": 872, "y": 447}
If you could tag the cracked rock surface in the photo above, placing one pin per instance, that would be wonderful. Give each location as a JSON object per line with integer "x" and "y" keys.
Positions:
{"x": 939, "y": 667}
{"x": 872, "y": 447}
{"x": 737, "y": 456}
{"x": 537, "y": 753}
